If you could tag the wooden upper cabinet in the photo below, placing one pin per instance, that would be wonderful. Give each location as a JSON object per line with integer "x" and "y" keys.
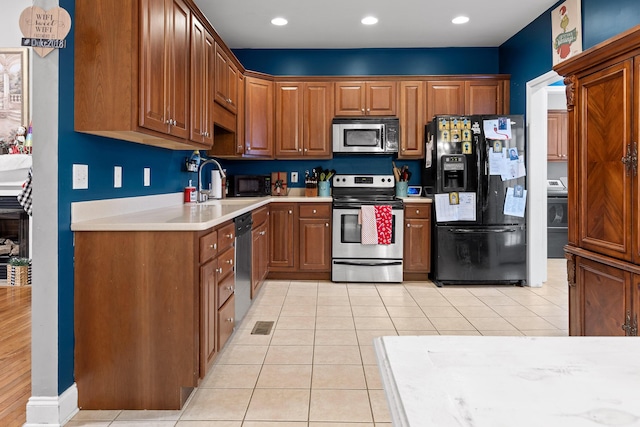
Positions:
{"x": 444, "y": 97}
{"x": 375, "y": 98}
{"x": 258, "y": 117}
{"x": 164, "y": 76}
{"x": 202, "y": 76}
{"x": 466, "y": 97}
{"x": 303, "y": 119}
{"x": 226, "y": 81}
{"x": 412, "y": 119}
{"x": 557, "y": 128}
{"x": 484, "y": 97}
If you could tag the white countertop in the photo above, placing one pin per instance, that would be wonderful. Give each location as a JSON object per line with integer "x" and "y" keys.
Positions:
{"x": 167, "y": 213}
{"x": 446, "y": 381}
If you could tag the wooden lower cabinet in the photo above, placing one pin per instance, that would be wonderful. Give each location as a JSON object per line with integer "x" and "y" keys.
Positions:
{"x": 314, "y": 236}
{"x": 136, "y": 314}
{"x": 417, "y": 240}
{"x": 282, "y": 226}
{"x": 259, "y": 248}
{"x": 604, "y": 298}
{"x": 226, "y": 321}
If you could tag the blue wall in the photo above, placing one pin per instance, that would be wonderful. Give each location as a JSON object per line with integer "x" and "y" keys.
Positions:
{"x": 525, "y": 56}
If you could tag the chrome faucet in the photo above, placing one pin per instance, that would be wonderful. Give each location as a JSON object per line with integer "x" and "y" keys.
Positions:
{"x": 203, "y": 195}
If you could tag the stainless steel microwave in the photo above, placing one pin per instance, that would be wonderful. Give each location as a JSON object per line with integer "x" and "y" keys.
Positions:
{"x": 249, "y": 185}
{"x": 366, "y": 135}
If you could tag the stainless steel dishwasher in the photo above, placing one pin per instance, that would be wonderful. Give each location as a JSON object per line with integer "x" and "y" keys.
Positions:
{"x": 243, "y": 265}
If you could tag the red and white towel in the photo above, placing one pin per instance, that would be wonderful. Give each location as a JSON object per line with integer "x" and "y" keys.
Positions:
{"x": 376, "y": 225}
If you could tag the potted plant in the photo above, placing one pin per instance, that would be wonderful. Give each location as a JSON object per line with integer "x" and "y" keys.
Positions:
{"x": 19, "y": 271}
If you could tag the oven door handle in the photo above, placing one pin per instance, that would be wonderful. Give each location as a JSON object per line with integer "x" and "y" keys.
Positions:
{"x": 369, "y": 263}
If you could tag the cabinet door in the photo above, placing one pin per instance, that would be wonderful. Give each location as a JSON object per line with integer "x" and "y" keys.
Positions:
{"x": 444, "y": 97}
{"x": 605, "y": 297}
{"x": 209, "y": 313}
{"x": 258, "y": 117}
{"x": 154, "y": 76}
{"x": 315, "y": 244}
{"x": 411, "y": 115}
{"x": 232, "y": 87}
{"x": 317, "y": 116}
{"x": 289, "y": 123}
{"x": 381, "y": 98}
{"x": 282, "y": 220}
{"x": 484, "y": 97}
{"x": 202, "y": 48}
{"x": 417, "y": 238}
{"x": 604, "y": 133}
{"x": 178, "y": 65}
{"x": 226, "y": 321}
{"x": 350, "y": 99}
{"x": 557, "y": 136}
{"x": 221, "y": 81}
{"x": 240, "y": 116}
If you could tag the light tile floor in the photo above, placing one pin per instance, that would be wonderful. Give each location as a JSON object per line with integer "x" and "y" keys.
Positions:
{"x": 318, "y": 368}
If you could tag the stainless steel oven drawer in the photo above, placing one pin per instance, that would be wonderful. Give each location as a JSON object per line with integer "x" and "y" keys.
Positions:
{"x": 366, "y": 270}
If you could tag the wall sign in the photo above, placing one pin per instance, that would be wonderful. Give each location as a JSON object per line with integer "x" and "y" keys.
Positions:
{"x": 44, "y": 30}
{"x": 566, "y": 30}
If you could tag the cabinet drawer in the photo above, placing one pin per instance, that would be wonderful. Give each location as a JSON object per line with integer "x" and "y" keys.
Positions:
{"x": 259, "y": 216}
{"x": 312, "y": 210}
{"x": 225, "y": 289}
{"x": 226, "y": 321}
{"x": 226, "y": 261}
{"x": 208, "y": 246}
{"x": 226, "y": 235}
{"x": 421, "y": 211}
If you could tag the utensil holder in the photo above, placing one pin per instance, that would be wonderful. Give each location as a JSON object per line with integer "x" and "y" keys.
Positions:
{"x": 311, "y": 190}
{"x": 401, "y": 188}
{"x": 324, "y": 189}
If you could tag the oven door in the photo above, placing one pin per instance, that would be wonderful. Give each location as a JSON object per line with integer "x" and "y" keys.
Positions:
{"x": 346, "y": 239}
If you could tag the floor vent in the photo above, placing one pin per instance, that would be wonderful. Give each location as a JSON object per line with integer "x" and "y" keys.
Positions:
{"x": 262, "y": 328}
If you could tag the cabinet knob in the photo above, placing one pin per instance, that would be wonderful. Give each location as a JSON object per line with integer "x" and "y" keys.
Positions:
{"x": 299, "y": 149}
{"x": 363, "y": 110}
{"x": 326, "y": 224}
{"x": 214, "y": 246}
{"x": 417, "y": 211}
{"x": 314, "y": 211}
{"x": 167, "y": 122}
{"x": 219, "y": 270}
{"x": 262, "y": 233}
{"x": 229, "y": 236}
{"x": 230, "y": 288}
{"x": 306, "y": 149}
{"x": 230, "y": 261}
{"x": 368, "y": 110}
{"x": 230, "y": 320}
{"x": 408, "y": 225}
{"x": 290, "y": 211}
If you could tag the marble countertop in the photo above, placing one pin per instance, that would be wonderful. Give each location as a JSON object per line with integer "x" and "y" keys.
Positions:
{"x": 446, "y": 381}
{"x": 167, "y": 212}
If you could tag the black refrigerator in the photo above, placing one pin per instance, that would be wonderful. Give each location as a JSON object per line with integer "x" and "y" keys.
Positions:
{"x": 475, "y": 170}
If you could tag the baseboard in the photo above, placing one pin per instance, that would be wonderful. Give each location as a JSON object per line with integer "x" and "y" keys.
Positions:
{"x": 52, "y": 411}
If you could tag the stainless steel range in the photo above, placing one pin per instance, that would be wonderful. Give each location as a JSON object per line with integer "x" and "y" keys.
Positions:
{"x": 353, "y": 261}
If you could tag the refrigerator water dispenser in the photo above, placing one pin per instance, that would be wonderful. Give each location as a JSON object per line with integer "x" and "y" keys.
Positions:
{"x": 454, "y": 173}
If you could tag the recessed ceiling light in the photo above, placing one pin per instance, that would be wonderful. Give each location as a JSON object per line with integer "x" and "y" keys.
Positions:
{"x": 279, "y": 21}
{"x": 460, "y": 20}
{"x": 369, "y": 20}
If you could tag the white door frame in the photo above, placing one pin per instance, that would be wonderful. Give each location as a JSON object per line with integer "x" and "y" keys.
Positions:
{"x": 537, "y": 177}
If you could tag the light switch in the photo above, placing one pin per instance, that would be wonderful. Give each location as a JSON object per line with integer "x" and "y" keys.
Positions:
{"x": 117, "y": 176}
{"x": 147, "y": 177}
{"x": 80, "y": 177}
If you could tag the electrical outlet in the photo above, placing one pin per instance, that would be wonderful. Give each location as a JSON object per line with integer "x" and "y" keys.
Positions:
{"x": 294, "y": 177}
{"x": 147, "y": 177}
{"x": 117, "y": 177}
{"x": 80, "y": 177}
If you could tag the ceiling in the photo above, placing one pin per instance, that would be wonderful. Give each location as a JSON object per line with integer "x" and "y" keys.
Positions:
{"x": 336, "y": 23}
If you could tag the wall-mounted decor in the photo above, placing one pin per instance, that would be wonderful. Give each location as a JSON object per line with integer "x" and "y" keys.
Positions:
{"x": 14, "y": 93}
{"x": 566, "y": 30}
{"x": 44, "y": 30}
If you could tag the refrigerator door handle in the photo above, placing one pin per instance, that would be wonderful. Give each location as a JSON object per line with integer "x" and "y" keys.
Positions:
{"x": 484, "y": 230}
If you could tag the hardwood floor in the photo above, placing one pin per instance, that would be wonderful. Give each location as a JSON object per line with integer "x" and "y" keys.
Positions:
{"x": 15, "y": 354}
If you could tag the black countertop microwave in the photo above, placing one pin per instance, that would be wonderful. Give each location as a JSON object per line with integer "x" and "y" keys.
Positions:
{"x": 366, "y": 135}
{"x": 249, "y": 185}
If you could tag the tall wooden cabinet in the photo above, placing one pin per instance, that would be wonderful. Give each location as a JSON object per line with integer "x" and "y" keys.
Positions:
{"x": 417, "y": 241}
{"x": 412, "y": 119}
{"x": 371, "y": 98}
{"x": 604, "y": 194}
